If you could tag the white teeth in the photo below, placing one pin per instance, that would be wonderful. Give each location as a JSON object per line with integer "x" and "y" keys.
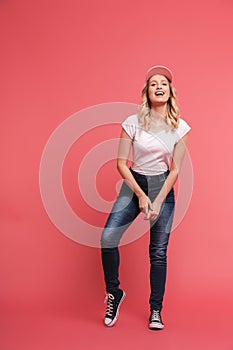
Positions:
{"x": 159, "y": 93}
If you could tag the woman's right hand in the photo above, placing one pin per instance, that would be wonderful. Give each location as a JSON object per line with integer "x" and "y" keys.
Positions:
{"x": 144, "y": 204}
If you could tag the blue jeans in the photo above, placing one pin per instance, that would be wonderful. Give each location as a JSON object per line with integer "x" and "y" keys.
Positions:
{"x": 124, "y": 211}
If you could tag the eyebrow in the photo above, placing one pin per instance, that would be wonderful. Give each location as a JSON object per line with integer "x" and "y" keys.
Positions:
{"x": 163, "y": 80}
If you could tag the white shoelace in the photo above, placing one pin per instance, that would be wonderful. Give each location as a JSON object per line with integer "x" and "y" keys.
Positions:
{"x": 155, "y": 316}
{"x": 109, "y": 299}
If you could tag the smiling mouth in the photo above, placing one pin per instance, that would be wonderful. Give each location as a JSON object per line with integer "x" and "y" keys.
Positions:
{"x": 159, "y": 93}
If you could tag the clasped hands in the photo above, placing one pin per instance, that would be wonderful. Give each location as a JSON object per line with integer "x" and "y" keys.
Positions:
{"x": 151, "y": 210}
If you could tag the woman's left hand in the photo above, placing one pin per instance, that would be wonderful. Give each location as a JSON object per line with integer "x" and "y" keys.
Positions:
{"x": 153, "y": 211}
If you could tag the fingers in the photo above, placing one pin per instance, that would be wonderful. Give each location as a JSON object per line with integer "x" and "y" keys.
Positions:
{"x": 151, "y": 212}
{"x": 147, "y": 217}
{"x": 146, "y": 209}
{"x": 151, "y": 215}
{"x": 145, "y": 205}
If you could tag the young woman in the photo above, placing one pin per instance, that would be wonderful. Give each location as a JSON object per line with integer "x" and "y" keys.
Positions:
{"x": 158, "y": 138}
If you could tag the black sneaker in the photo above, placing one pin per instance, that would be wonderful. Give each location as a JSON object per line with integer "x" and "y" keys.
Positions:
{"x": 114, "y": 301}
{"x": 155, "y": 320}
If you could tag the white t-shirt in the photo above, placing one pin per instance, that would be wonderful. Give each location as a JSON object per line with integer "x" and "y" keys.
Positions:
{"x": 152, "y": 151}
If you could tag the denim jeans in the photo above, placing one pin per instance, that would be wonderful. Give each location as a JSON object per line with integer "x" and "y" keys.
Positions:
{"x": 124, "y": 211}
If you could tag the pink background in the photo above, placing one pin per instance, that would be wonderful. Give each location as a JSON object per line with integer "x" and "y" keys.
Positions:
{"x": 59, "y": 57}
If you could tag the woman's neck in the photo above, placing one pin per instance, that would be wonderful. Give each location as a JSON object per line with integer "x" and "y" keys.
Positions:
{"x": 158, "y": 112}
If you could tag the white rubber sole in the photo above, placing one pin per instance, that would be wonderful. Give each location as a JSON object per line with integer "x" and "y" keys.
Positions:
{"x": 156, "y": 326}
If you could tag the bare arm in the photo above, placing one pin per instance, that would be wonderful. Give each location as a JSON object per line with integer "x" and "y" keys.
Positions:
{"x": 122, "y": 166}
{"x": 178, "y": 157}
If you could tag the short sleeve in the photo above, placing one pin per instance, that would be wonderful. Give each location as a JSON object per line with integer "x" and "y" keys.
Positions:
{"x": 183, "y": 129}
{"x": 130, "y": 126}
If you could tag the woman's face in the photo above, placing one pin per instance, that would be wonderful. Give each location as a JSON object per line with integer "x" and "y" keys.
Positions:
{"x": 158, "y": 90}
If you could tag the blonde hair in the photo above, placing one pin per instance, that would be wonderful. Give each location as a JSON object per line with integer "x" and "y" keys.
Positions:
{"x": 172, "y": 113}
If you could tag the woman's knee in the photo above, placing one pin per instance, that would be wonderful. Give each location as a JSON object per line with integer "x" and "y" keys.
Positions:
{"x": 158, "y": 254}
{"x": 108, "y": 239}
